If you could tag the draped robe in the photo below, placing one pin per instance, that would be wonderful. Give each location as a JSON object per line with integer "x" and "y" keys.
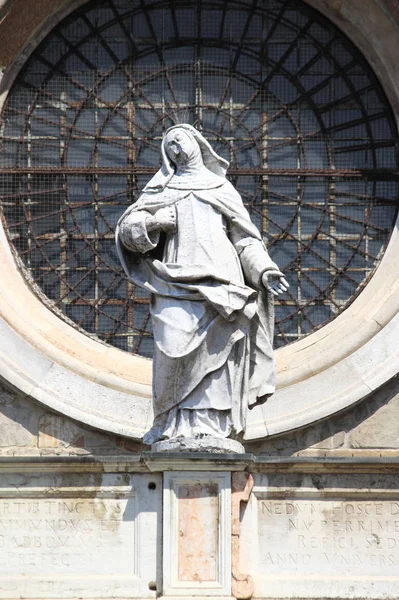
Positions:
{"x": 212, "y": 318}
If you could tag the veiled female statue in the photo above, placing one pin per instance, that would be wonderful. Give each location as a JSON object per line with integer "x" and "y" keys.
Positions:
{"x": 189, "y": 241}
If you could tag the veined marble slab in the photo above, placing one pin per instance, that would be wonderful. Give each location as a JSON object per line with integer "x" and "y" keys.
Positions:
{"x": 197, "y": 534}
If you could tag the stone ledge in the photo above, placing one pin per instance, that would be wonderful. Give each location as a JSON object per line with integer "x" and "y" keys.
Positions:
{"x": 198, "y": 461}
{"x": 313, "y": 465}
{"x": 150, "y": 462}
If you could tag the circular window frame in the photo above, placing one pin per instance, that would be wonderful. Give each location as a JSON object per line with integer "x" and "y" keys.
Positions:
{"x": 99, "y": 385}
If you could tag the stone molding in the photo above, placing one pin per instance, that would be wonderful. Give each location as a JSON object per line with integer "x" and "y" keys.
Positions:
{"x": 242, "y": 584}
{"x": 148, "y": 462}
{"x": 330, "y": 370}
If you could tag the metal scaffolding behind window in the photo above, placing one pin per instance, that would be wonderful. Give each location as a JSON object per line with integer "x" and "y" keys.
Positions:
{"x": 279, "y": 91}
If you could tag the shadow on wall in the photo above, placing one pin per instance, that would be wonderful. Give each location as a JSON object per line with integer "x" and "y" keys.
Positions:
{"x": 26, "y": 428}
{"x": 371, "y": 424}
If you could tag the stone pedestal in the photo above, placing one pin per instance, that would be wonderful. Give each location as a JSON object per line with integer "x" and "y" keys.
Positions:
{"x": 208, "y": 444}
{"x": 197, "y": 534}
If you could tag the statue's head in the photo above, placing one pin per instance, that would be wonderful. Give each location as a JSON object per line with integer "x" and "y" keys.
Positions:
{"x": 184, "y": 145}
{"x": 181, "y": 147}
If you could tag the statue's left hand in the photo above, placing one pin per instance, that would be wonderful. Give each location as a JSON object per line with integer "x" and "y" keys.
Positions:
{"x": 275, "y": 282}
{"x": 165, "y": 219}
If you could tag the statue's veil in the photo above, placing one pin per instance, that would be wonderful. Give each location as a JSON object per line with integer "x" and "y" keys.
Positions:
{"x": 212, "y": 161}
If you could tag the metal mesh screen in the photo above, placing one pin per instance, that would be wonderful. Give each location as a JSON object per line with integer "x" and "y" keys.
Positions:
{"x": 278, "y": 91}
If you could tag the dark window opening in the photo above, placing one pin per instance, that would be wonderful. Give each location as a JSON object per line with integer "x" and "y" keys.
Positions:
{"x": 278, "y": 90}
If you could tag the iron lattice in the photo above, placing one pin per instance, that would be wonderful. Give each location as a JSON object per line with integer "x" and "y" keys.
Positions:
{"x": 279, "y": 91}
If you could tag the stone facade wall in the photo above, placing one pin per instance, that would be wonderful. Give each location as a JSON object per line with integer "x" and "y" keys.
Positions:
{"x": 85, "y": 514}
{"x": 393, "y": 7}
{"x": 369, "y": 429}
{"x": 26, "y": 428}
{"x": 20, "y": 22}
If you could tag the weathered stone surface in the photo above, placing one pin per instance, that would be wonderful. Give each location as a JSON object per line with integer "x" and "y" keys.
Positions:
{"x": 324, "y": 537}
{"x": 19, "y": 22}
{"x": 372, "y": 424}
{"x": 381, "y": 429}
{"x": 212, "y": 292}
{"x": 18, "y": 423}
{"x": 76, "y": 536}
{"x": 82, "y": 527}
{"x": 64, "y": 435}
{"x": 203, "y": 444}
{"x": 27, "y": 428}
{"x": 197, "y": 534}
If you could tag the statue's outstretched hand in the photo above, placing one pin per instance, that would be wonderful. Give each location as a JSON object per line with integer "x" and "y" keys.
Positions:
{"x": 165, "y": 219}
{"x": 275, "y": 282}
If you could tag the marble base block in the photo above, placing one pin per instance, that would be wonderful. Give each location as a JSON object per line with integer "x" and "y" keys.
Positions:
{"x": 197, "y": 534}
{"x": 201, "y": 444}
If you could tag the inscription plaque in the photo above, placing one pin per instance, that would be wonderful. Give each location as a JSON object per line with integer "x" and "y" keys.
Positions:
{"x": 66, "y": 542}
{"x": 63, "y": 533}
{"x": 327, "y": 547}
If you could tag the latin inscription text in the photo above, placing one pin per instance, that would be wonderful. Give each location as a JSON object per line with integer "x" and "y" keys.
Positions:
{"x": 323, "y": 535}
{"x": 55, "y": 535}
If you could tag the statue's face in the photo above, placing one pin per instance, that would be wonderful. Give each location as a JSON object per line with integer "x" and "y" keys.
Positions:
{"x": 180, "y": 147}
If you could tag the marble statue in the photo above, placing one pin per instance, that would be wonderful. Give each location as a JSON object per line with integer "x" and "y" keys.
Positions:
{"x": 189, "y": 241}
